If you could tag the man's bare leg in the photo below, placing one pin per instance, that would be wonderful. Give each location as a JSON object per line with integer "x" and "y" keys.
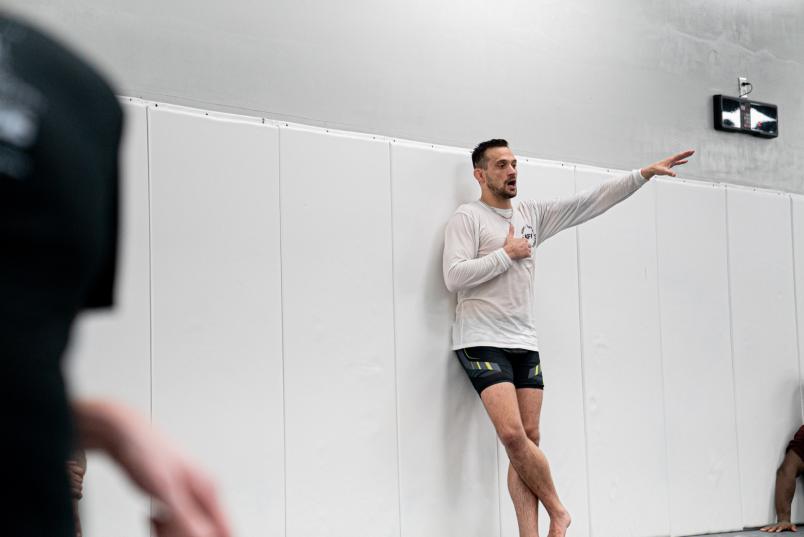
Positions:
{"x": 527, "y": 459}
{"x": 792, "y": 466}
{"x": 526, "y": 504}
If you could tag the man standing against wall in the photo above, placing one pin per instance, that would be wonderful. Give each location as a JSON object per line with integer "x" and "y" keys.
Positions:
{"x": 488, "y": 261}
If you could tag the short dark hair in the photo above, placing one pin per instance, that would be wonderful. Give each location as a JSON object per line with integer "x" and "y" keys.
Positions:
{"x": 479, "y": 159}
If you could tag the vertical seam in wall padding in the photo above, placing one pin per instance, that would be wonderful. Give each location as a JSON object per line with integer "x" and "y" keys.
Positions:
{"x": 733, "y": 363}
{"x": 150, "y": 288}
{"x": 795, "y": 304}
{"x": 282, "y": 323}
{"x": 393, "y": 312}
{"x": 583, "y": 367}
{"x": 661, "y": 358}
{"x": 150, "y": 268}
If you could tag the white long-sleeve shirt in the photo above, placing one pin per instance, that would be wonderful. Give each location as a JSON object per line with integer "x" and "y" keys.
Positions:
{"x": 495, "y": 293}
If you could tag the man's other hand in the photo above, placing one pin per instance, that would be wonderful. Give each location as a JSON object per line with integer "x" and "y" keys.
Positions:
{"x": 516, "y": 248}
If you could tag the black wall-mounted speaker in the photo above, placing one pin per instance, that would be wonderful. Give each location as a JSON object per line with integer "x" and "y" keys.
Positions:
{"x": 733, "y": 114}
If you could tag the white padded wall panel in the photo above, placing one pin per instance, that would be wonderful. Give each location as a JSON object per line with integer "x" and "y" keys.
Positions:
{"x": 342, "y": 475}
{"x": 447, "y": 446}
{"x": 110, "y": 351}
{"x": 696, "y": 346}
{"x": 398, "y": 402}
{"x": 217, "y": 355}
{"x": 764, "y": 340}
{"x": 558, "y": 325}
{"x": 622, "y": 367}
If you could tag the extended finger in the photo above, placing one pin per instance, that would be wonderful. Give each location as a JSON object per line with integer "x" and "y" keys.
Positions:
{"x": 182, "y": 523}
{"x": 205, "y": 494}
{"x": 161, "y": 528}
{"x": 176, "y": 511}
{"x": 665, "y": 171}
{"x": 677, "y": 159}
{"x": 683, "y": 154}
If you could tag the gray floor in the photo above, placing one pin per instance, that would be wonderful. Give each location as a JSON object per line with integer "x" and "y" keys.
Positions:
{"x": 752, "y": 533}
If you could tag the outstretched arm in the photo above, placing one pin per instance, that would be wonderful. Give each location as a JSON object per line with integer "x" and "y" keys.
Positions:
{"x": 556, "y": 215}
{"x": 188, "y": 503}
{"x": 792, "y": 465}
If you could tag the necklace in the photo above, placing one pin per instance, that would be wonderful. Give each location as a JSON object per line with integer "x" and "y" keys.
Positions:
{"x": 499, "y": 212}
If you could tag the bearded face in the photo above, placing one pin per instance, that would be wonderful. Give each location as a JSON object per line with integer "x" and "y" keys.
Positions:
{"x": 500, "y": 172}
{"x": 505, "y": 189}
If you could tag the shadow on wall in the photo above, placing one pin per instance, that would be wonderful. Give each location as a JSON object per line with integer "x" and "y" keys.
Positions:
{"x": 439, "y": 299}
{"x": 466, "y": 422}
{"x": 795, "y": 402}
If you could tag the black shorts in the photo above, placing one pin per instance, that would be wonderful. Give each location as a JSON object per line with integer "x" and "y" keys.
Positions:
{"x": 797, "y": 443}
{"x": 487, "y": 366}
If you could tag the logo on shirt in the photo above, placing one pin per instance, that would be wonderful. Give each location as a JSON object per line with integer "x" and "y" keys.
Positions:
{"x": 527, "y": 233}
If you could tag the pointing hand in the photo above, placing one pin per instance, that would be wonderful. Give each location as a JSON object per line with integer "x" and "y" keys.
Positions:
{"x": 664, "y": 167}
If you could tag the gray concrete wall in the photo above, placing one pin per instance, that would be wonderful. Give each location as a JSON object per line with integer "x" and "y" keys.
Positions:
{"x": 615, "y": 84}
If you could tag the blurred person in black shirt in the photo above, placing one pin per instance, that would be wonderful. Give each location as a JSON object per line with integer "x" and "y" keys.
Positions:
{"x": 60, "y": 127}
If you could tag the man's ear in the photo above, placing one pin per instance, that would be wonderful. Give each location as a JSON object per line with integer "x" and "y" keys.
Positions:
{"x": 478, "y": 173}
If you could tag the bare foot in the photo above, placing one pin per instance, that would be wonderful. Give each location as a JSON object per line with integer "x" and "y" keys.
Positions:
{"x": 781, "y": 526}
{"x": 559, "y": 524}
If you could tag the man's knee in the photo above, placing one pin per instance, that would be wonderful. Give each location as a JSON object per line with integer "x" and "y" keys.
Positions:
{"x": 513, "y": 438}
{"x": 533, "y": 434}
{"x": 791, "y": 466}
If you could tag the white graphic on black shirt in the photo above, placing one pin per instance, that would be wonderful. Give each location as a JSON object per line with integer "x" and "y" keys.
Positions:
{"x": 21, "y": 107}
